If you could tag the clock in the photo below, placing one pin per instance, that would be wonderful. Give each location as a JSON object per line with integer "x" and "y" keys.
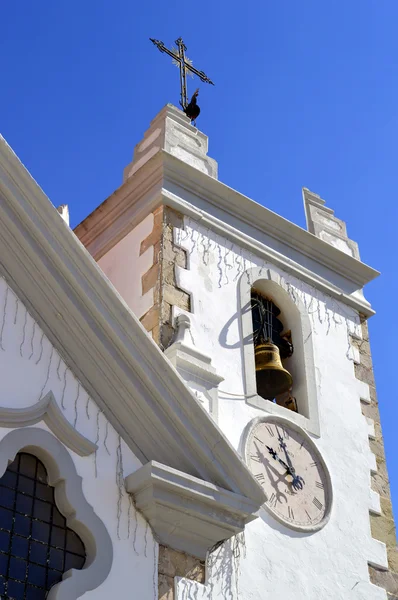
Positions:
{"x": 289, "y": 467}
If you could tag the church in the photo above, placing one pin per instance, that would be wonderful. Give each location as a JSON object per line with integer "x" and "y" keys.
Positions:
{"x": 188, "y": 408}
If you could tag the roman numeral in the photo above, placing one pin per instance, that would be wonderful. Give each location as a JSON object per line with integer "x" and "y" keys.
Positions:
{"x": 255, "y": 457}
{"x": 258, "y": 439}
{"x": 319, "y": 485}
{"x": 291, "y": 513}
{"x": 314, "y": 464}
{"x": 260, "y": 477}
{"x": 270, "y": 431}
{"x": 272, "y": 500}
{"x": 308, "y": 515}
{"x": 285, "y": 434}
{"x": 317, "y": 503}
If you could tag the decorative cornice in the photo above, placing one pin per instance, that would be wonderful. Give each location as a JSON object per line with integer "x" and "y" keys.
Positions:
{"x": 233, "y": 215}
{"x": 73, "y": 505}
{"x": 186, "y": 513}
{"x": 104, "y": 344}
{"x": 47, "y": 410}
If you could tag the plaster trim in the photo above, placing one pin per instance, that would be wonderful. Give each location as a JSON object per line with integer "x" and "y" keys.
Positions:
{"x": 104, "y": 344}
{"x": 186, "y": 513}
{"x": 47, "y": 410}
{"x": 193, "y": 365}
{"x": 269, "y": 281}
{"x": 71, "y": 502}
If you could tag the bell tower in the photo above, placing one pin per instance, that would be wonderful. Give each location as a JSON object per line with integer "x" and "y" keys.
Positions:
{"x": 266, "y": 323}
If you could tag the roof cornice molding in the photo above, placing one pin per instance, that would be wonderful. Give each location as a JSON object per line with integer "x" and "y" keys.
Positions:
{"x": 104, "y": 344}
{"x": 186, "y": 513}
{"x": 219, "y": 208}
{"x": 218, "y": 196}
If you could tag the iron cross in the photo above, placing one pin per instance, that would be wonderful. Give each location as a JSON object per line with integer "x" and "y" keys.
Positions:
{"x": 179, "y": 58}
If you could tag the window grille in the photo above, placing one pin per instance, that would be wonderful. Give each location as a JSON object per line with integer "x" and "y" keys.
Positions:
{"x": 36, "y": 546}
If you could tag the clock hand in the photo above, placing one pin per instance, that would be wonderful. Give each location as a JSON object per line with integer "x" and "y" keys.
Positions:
{"x": 282, "y": 462}
{"x": 298, "y": 482}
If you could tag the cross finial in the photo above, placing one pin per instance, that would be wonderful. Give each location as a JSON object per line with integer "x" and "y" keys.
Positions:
{"x": 185, "y": 64}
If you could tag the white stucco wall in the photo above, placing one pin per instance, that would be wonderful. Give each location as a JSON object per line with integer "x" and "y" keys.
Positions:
{"x": 29, "y": 368}
{"x": 280, "y": 563}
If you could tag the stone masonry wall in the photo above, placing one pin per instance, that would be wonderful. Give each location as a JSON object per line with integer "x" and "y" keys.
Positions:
{"x": 382, "y": 526}
{"x": 161, "y": 276}
{"x": 177, "y": 564}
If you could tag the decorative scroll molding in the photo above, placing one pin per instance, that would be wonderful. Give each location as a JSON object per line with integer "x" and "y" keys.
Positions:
{"x": 186, "y": 513}
{"x": 47, "y": 410}
{"x": 194, "y": 367}
{"x": 69, "y": 497}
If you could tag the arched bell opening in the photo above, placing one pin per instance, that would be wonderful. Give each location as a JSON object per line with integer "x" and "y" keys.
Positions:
{"x": 273, "y": 350}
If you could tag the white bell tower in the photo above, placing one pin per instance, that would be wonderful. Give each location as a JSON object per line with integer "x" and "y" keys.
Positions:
{"x": 192, "y": 257}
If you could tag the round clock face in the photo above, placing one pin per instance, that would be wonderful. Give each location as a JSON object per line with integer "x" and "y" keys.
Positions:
{"x": 289, "y": 467}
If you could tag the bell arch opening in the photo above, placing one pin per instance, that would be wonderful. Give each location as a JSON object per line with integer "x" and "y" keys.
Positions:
{"x": 291, "y": 358}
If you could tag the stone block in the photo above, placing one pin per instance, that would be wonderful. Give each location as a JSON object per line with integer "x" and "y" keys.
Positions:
{"x": 384, "y": 579}
{"x": 383, "y": 529}
{"x": 165, "y": 587}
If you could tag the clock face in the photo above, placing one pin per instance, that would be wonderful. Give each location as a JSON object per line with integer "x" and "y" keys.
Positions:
{"x": 287, "y": 464}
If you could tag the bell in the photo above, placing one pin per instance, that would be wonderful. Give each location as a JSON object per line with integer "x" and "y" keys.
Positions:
{"x": 272, "y": 378}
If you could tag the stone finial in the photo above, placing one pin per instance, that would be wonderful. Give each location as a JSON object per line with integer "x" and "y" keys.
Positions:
{"x": 63, "y": 210}
{"x": 322, "y": 223}
{"x": 172, "y": 132}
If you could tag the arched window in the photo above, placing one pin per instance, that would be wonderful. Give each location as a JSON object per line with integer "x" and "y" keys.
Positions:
{"x": 272, "y": 347}
{"x": 268, "y": 310}
{"x": 36, "y": 546}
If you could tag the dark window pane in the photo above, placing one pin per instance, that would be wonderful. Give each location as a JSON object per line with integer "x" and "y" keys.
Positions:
{"x": 15, "y": 590}
{"x": 58, "y": 519}
{"x": 24, "y": 504}
{"x": 3, "y": 564}
{"x": 41, "y": 473}
{"x": 45, "y": 492}
{"x": 57, "y": 558}
{"x": 38, "y": 552}
{"x": 9, "y": 479}
{"x": 72, "y": 561}
{"x": 40, "y": 531}
{"x": 58, "y": 537}
{"x": 5, "y": 519}
{"x": 37, "y": 575}
{"x": 36, "y": 546}
{"x": 14, "y": 466}
{"x": 42, "y": 511}
{"x": 28, "y": 465}
{"x": 7, "y": 497}
{"x": 34, "y": 593}
{"x": 17, "y": 568}
{"x": 19, "y": 546}
{"x": 4, "y": 541}
{"x": 52, "y": 578}
{"x": 26, "y": 485}
{"x": 74, "y": 543}
{"x": 22, "y": 525}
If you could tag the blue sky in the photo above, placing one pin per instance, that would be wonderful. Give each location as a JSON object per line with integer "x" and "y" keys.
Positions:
{"x": 305, "y": 95}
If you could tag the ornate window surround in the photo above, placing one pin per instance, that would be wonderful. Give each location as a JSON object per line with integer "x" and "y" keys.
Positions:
{"x": 80, "y": 516}
{"x": 301, "y": 364}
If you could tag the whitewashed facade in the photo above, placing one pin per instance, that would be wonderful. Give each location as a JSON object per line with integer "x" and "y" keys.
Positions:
{"x": 157, "y": 437}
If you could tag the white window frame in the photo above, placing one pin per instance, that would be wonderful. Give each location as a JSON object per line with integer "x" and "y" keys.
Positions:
{"x": 301, "y": 365}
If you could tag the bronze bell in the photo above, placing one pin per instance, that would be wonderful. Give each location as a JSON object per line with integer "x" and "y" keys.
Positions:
{"x": 272, "y": 378}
